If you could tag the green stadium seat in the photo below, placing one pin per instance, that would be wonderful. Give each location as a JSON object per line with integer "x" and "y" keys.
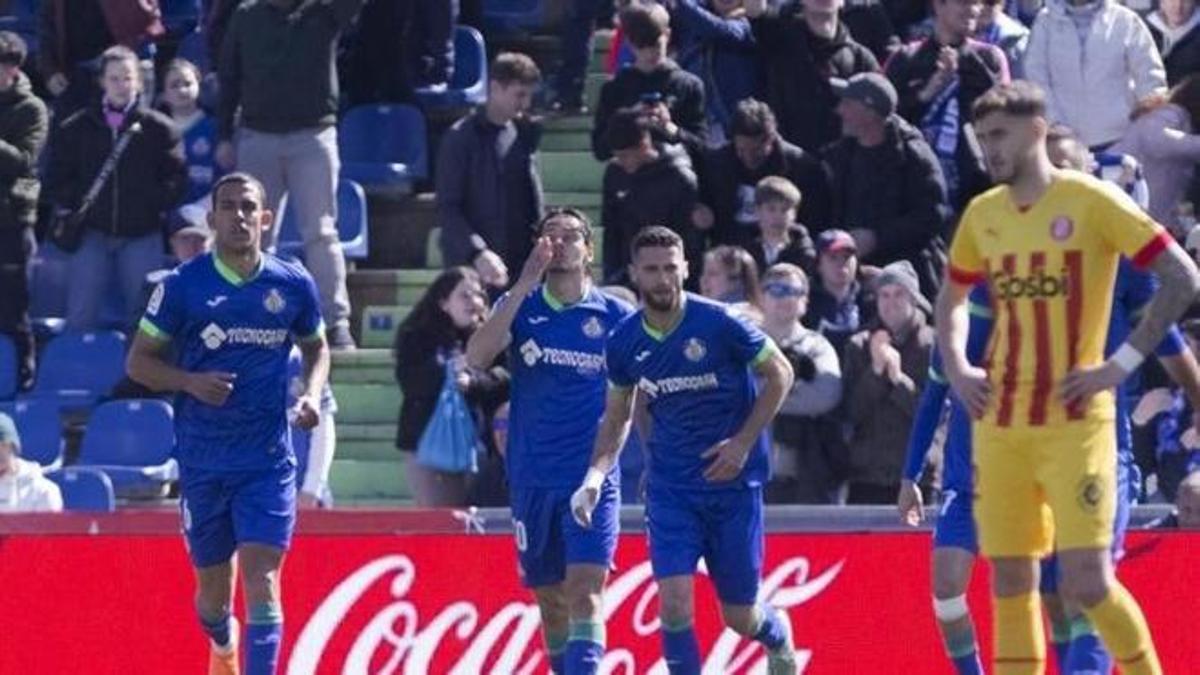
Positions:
{"x": 571, "y": 172}
{"x": 379, "y": 325}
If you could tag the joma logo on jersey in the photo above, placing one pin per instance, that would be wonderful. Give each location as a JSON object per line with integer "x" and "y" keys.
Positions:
{"x": 215, "y": 337}
{"x": 1033, "y": 286}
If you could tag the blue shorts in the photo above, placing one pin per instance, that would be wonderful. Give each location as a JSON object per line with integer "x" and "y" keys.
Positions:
{"x": 222, "y": 510}
{"x": 724, "y": 527}
{"x": 549, "y": 539}
{"x": 956, "y": 522}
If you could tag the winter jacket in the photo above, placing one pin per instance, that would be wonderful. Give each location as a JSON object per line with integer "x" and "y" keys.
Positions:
{"x": 727, "y": 187}
{"x": 838, "y": 320}
{"x": 26, "y": 490}
{"x": 681, "y": 91}
{"x": 1093, "y": 86}
{"x": 1012, "y": 37}
{"x": 799, "y": 251}
{"x": 69, "y": 38}
{"x": 23, "y": 128}
{"x": 880, "y": 413}
{"x": 871, "y": 27}
{"x": 896, "y": 190}
{"x": 489, "y": 191}
{"x": 662, "y": 192}
{"x": 149, "y": 179}
{"x": 1180, "y": 49}
{"x": 799, "y": 66}
{"x": 1168, "y": 148}
{"x": 722, "y": 53}
{"x": 980, "y": 67}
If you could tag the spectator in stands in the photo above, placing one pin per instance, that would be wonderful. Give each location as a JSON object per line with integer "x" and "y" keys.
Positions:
{"x": 888, "y": 189}
{"x": 436, "y": 331}
{"x": 181, "y": 98}
{"x": 23, "y": 488}
{"x": 781, "y": 239}
{"x": 1096, "y": 60}
{"x": 909, "y": 17}
{"x": 807, "y": 447}
{"x": 804, "y": 45}
{"x": 885, "y": 367}
{"x": 1165, "y": 138}
{"x": 645, "y": 185}
{"x": 937, "y": 81}
{"x": 730, "y": 275}
{"x": 577, "y": 29}
{"x": 429, "y": 42}
{"x": 489, "y": 192}
{"x": 124, "y": 226}
{"x": 1172, "y": 415}
{"x": 278, "y": 80}
{"x": 1011, "y": 36}
{"x": 71, "y": 35}
{"x": 314, "y": 447}
{"x": 23, "y": 125}
{"x": 670, "y": 99}
{"x": 839, "y": 305}
{"x": 1175, "y": 26}
{"x": 868, "y": 21}
{"x": 714, "y": 43}
{"x": 730, "y": 174}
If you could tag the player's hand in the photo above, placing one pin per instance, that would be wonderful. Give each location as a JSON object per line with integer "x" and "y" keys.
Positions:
{"x": 730, "y": 457}
{"x": 308, "y": 501}
{"x": 910, "y": 503}
{"x": 226, "y": 155}
{"x": 492, "y": 270}
{"x": 212, "y": 387}
{"x": 306, "y": 413}
{"x": 583, "y": 503}
{"x": 973, "y": 389}
{"x": 536, "y": 264}
{"x": 1081, "y": 384}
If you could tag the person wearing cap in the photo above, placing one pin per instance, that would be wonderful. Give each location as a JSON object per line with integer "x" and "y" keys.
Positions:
{"x": 885, "y": 367}
{"x": 23, "y": 488}
{"x": 888, "y": 189}
{"x": 938, "y": 79}
{"x": 23, "y": 127}
{"x": 839, "y": 305}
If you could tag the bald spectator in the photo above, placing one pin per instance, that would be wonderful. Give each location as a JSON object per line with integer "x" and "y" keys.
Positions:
{"x": 23, "y": 488}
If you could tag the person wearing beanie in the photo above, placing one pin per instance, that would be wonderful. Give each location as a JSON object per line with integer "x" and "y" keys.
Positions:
{"x": 23, "y": 488}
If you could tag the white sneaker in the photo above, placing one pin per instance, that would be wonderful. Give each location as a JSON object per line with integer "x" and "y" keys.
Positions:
{"x": 782, "y": 661}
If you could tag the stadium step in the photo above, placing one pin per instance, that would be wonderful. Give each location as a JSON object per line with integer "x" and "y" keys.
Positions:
{"x": 379, "y": 325}
{"x": 367, "y": 450}
{"x": 571, "y": 172}
{"x": 366, "y": 403}
{"x": 569, "y": 141}
{"x": 363, "y": 366}
{"x": 591, "y": 88}
{"x": 389, "y": 287}
{"x": 357, "y": 480}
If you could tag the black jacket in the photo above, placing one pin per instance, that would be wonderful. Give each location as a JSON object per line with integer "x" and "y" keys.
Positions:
{"x": 1184, "y": 57}
{"x": 662, "y": 192}
{"x": 727, "y": 187}
{"x": 23, "y": 128}
{"x": 980, "y": 67}
{"x": 149, "y": 180}
{"x": 896, "y": 190}
{"x": 800, "y": 252}
{"x": 799, "y": 66}
{"x": 682, "y": 91}
{"x": 485, "y": 200}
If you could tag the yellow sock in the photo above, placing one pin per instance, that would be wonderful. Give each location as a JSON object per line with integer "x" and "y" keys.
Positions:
{"x": 1121, "y": 625}
{"x": 1020, "y": 640}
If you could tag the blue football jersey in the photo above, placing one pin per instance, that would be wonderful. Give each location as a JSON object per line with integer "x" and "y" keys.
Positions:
{"x": 558, "y": 385}
{"x": 219, "y": 322}
{"x": 699, "y": 387}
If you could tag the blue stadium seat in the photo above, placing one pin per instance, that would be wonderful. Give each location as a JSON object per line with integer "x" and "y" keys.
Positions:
{"x": 383, "y": 146}
{"x": 468, "y": 86}
{"x": 351, "y": 223}
{"x": 8, "y": 368}
{"x": 513, "y": 15}
{"x": 131, "y": 441}
{"x": 78, "y": 368}
{"x": 85, "y": 489}
{"x": 41, "y": 430}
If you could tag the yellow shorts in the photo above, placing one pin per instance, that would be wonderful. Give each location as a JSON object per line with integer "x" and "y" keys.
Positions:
{"x": 1045, "y": 487}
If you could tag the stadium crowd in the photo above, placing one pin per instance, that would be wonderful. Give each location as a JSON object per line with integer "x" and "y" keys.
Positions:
{"x": 814, "y": 157}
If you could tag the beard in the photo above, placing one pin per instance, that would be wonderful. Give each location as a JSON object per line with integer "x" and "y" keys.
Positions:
{"x": 662, "y": 300}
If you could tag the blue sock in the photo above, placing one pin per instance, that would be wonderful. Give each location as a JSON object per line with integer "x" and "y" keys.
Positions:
{"x": 681, "y": 650}
{"x": 968, "y": 664}
{"x": 964, "y": 653}
{"x": 585, "y": 647}
{"x": 556, "y": 647}
{"x": 264, "y": 632}
{"x": 217, "y": 629}
{"x": 1086, "y": 652}
{"x": 771, "y": 632}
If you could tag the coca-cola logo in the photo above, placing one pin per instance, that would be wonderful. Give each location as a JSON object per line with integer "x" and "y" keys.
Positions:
{"x": 402, "y": 638}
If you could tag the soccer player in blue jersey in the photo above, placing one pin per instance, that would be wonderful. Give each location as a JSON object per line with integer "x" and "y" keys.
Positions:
{"x": 231, "y": 317}
{"x": 696, "y": 365}
{"x": 555, "y": 323}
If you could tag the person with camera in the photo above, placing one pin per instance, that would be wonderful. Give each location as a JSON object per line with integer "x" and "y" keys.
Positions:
{"x": 116, "y": 169}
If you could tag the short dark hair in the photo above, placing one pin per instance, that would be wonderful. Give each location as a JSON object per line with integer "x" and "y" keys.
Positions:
{"x": 644, "y": 25}
{"x": 776, "y": 189}
{"x": 182, "y": 64}
{"x": 510, "y": 67}
{"x": 558, "y": 212}
{"x": 626, "y": 129}
{"x": 1019, "y": 98}
{"x": 245, "y": 179}
{"x": 654, "y": 236}
{"x": 754, "y": 119}
{"x": 13, "y": 49}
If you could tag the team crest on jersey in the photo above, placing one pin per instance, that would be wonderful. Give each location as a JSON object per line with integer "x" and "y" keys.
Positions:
{"x": 593, "y": 328}
{"x": 274, "y": 302}
{"x": 1061, "y": 228}
{"x": 1090, "y": 493}
{"x": 694, "y": 349}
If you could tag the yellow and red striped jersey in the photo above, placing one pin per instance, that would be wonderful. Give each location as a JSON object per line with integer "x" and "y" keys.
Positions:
{"x": 1050, "y": 270}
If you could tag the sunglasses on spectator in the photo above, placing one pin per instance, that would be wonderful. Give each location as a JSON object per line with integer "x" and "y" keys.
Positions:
{"x": 782, "y": 290}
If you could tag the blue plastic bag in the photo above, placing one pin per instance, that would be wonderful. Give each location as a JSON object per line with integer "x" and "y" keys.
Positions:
{"x": 449, "y": 440}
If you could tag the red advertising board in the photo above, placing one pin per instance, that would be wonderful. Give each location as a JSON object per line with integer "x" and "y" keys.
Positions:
{"x": 451, "y": 603}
